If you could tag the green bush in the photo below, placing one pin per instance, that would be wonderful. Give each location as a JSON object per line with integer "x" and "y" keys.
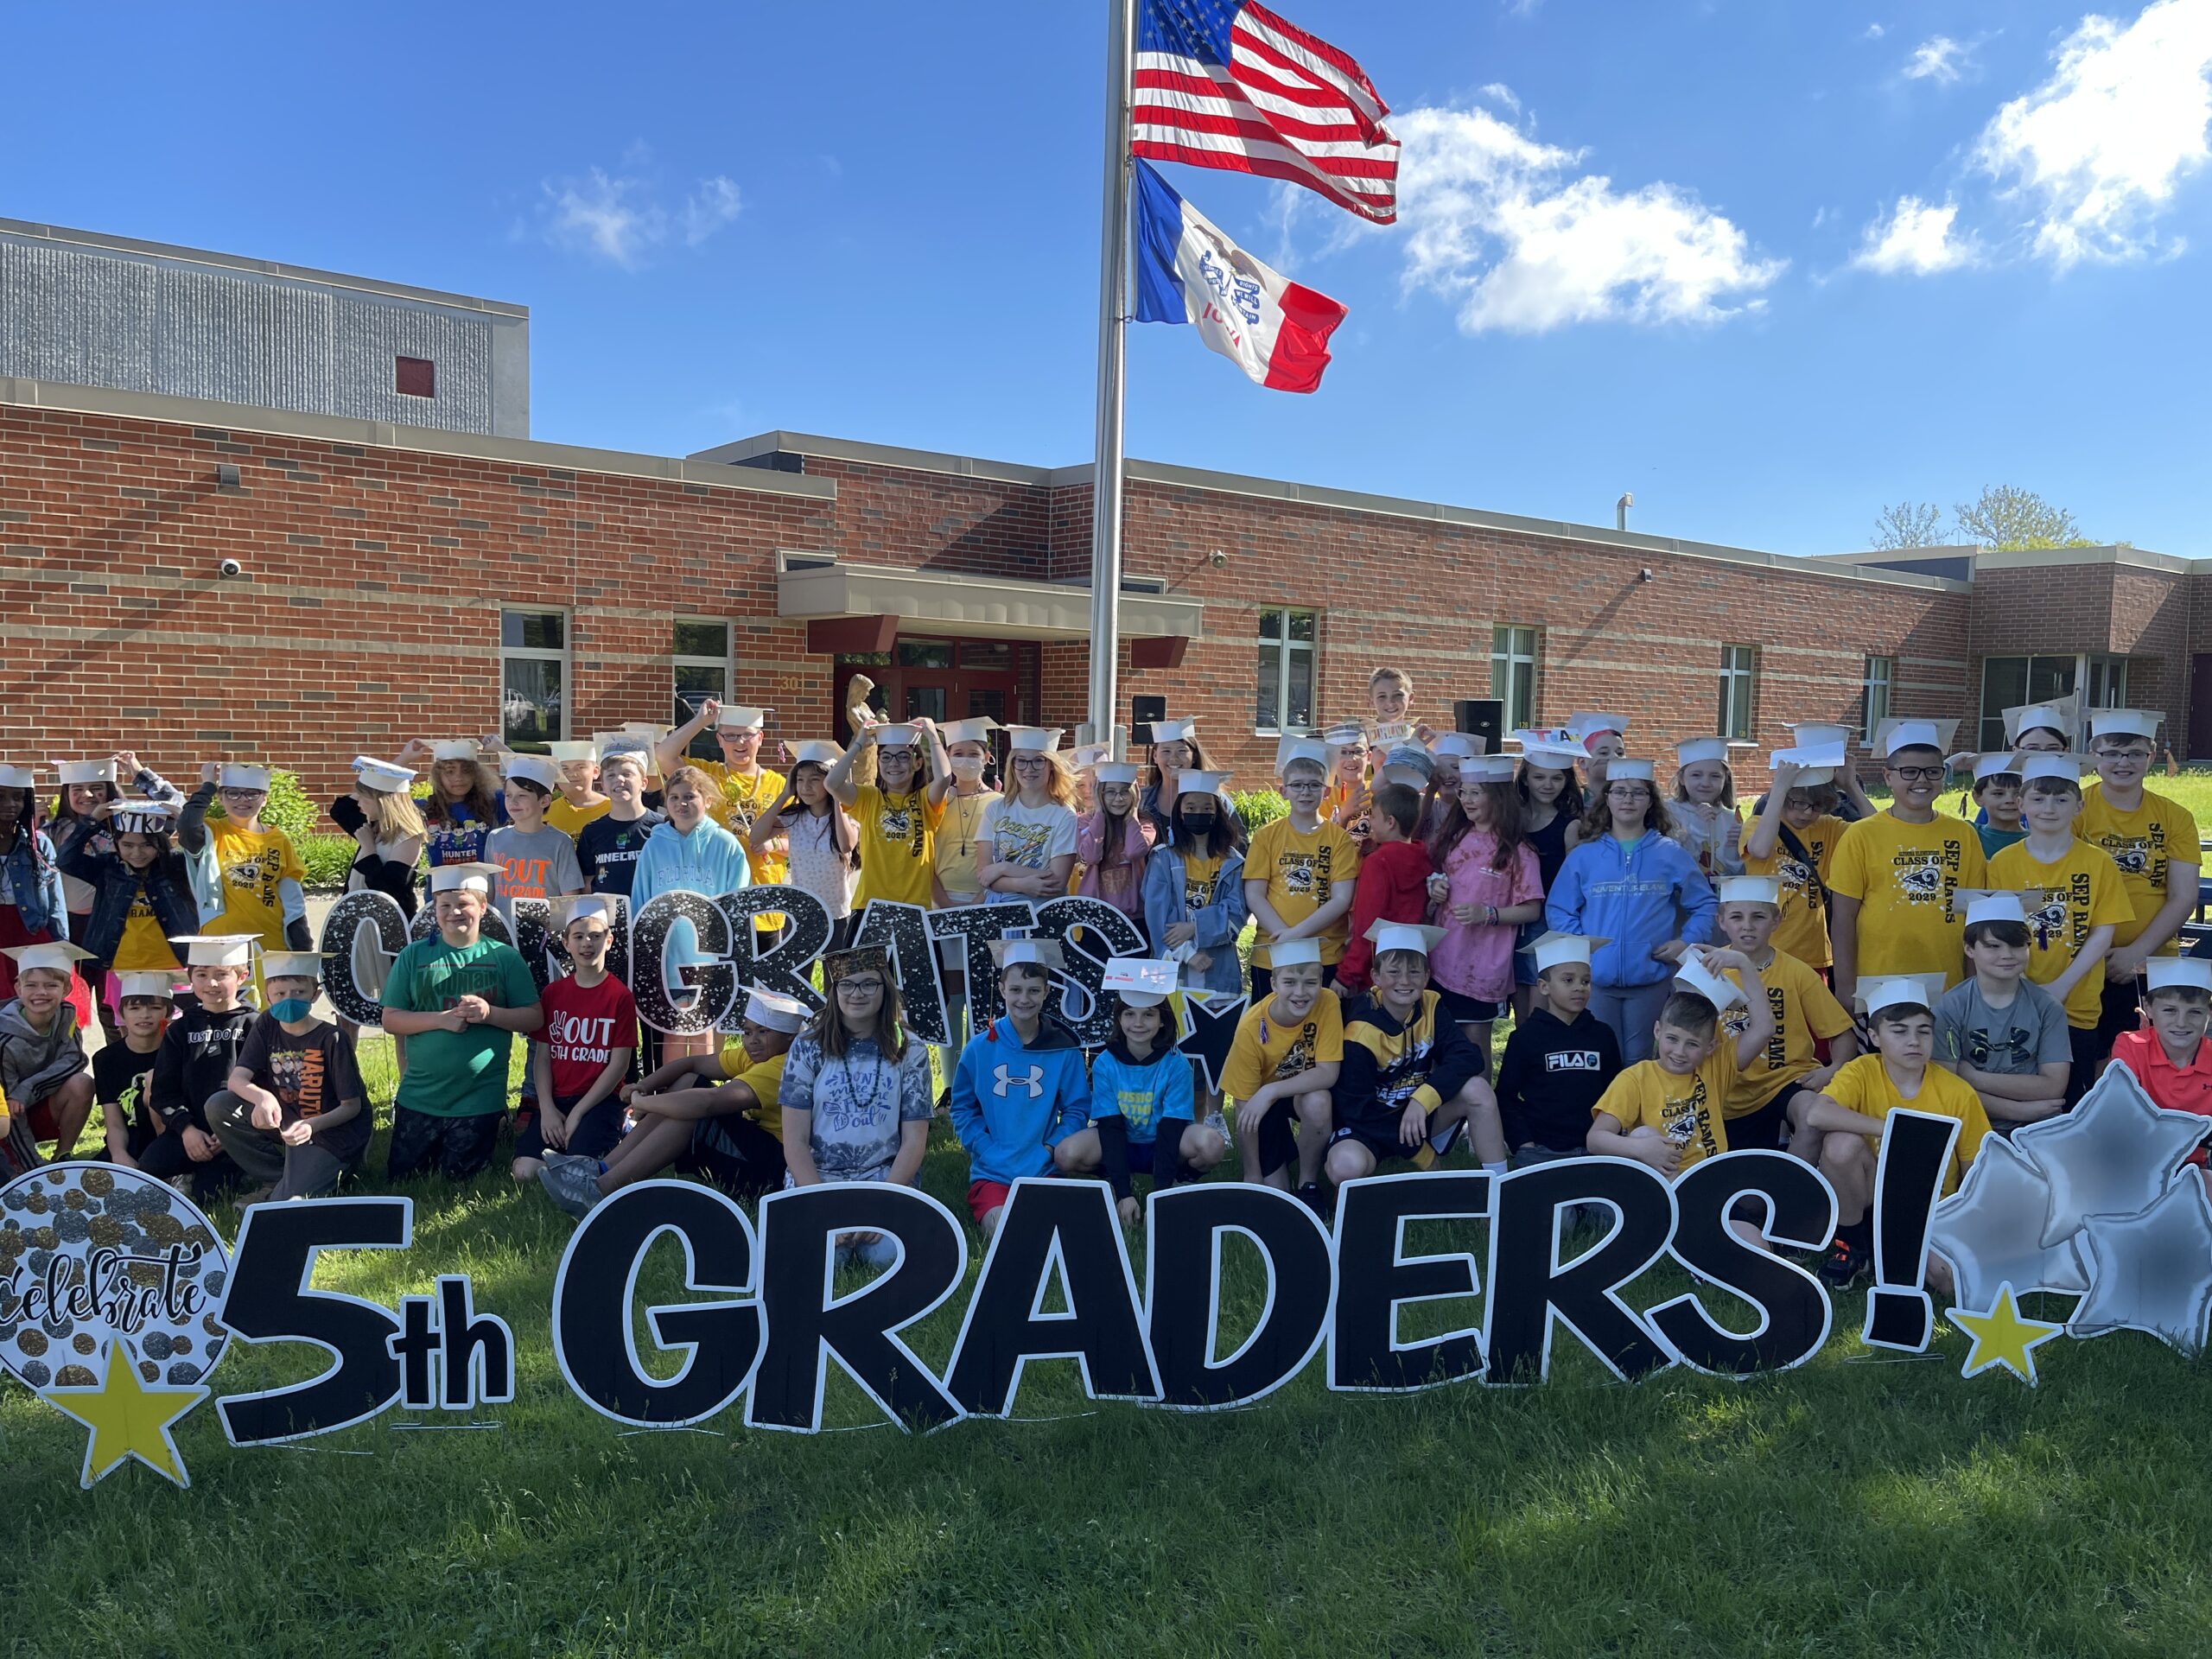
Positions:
{"x": 328, "y": 858}
{"x": 1258, "y": 806}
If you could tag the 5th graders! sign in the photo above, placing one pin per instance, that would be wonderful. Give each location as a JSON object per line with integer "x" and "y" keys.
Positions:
{"x": 118, "y": 1299}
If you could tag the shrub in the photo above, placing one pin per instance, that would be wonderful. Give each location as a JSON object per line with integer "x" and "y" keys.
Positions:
{"x": 328, "y": 858}
{"x": 1258, "y": 806}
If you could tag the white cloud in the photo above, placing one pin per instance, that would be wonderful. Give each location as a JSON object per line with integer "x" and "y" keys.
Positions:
{"x": 619, "y": 219}
{"x": 1875, "y": 31}
{"x": 1916, "y": 240}
{"x": 1499, "y": 94}
{"x": 1939, "y": 59}
{"x": 1820, "y": 217}
{"x": 2100, "y": 148}
{"x": 1503, "y": 224}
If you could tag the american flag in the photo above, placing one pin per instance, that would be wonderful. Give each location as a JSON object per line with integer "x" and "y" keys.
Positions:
{"x": 1228, "y": 85}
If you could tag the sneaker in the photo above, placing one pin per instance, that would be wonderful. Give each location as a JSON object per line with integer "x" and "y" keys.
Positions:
{"x": 1219, "y": 1125}
{"x": 573, "y": 1183}
{"x": 1846, "y": 1263}
{"x": 1312, "y": 1195}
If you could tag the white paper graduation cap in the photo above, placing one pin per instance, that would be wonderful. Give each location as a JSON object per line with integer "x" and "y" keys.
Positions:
{"x": 464, "y": 878}
{"x": 1892, "y": 989}
{"x": 1033, "y": 739}
{"x": 1294, "y": 953}
{"x": 2066, "y": 767}
{"x": 291, "y": 965}
{"x": 384, "y": 776}
{"x": 1408, "y": 764}
{"x": 1487, "y": 769}
{"x": 740, "y": 717}
{"x": 646, "y": 731}
{"x": 1691, "y": 974}
{"x": 776, "y": 1011}
{"x": 454, "y": 748}
{"x": 1548, "y": 755}
{"x": 2060, "y": 717}
{"x": 18, "y": 777}
{"x": 1988, "y": 904}
{"x": 2005, "y": 764}
{"x": 1117, "y": 771}
{"x": 1039, "y": 953}
{"x": 1084, "y": 756}
{"x": 1553, "y": 949}
{"x": 2188, "y": 973}
{"x": 1299, "y": 748}
{"x": 569, "y": 750}
{"x": 60, "y": 955}
{"x": 1818, "y": 753}
{"x": 1584, "y": 724}
{"x": 574, "y": 906}
{"x": 815, "y": 752}
{"x": 1899, "y": 734}
{"x": 540, "y": 769}
{"x": 1345, "y": 735}
{"x": 1691, "y": 751}
{"x": 1141, "y": 981}
{"x": 2125, "y": 722}
{"x": 134, "y": 815}
{"x": 1751, "y": 890}
{"x": 1402, "y": 936}
{"x": 901, "y": 736}
{"x": 234, "y": 774}
{"x": 1625, "y": 771}
{"x": 159, "y": 985}
{"x": 976, "y": 730}
{"x": 618, "y": 747}
{"x": 216, "y": 950}
{"x": 1194, "y": 782}
{"x": 1462, "y": 745}
{"x": 67, "y": 773}
{"x": 1174, "y": 731}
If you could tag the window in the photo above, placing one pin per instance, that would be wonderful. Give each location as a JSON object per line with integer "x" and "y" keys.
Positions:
{"x": 415, "y": 377}
{"x": 534, "y": 677}
{"x": 1513, "y": 674}
{"x": 699, "y": 660}
{"x": 2106, "y": 680}
{"x": 1735, "y": 691}
{"x": 2011, "y": 682}
{"x": 1286, "y": 701}
{"x": 1874, "y": 683}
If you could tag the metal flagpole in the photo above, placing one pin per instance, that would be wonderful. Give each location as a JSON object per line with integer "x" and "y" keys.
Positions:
{"x": 1113, "y": 309}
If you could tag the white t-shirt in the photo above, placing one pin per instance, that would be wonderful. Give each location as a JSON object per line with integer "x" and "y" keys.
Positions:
{"x": 1032, "y": 836}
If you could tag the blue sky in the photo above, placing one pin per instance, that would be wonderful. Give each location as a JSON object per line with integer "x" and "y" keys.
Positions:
{"x": 1767, "y": 263}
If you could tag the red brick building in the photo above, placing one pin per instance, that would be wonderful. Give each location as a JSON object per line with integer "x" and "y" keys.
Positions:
{"x": 399, "y": 581}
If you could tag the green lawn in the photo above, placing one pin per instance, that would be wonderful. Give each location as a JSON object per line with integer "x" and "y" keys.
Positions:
{"x": 1856, "y": 1506}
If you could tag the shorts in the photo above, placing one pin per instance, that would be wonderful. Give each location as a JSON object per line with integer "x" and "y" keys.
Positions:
{"x": 461, "y": 1146}
{"x": 1263, "y": 981}
{"x": 984, "y": 1197}
{"x": 1379, "y": 1137}
{"x": 2121, "y": 1012}
{"x": 735, "y": 1154}
{"x": 1765, "y": 1127}
{"x": 2092, "y": 1048}
{"x": 594, "y": 1138}
{"x": 1524, "y": 953}
{"x": 1465, "y": 1010}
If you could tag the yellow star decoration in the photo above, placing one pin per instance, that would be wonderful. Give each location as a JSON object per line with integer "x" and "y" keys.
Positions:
{"x": 2003, "y": 1337}
{"x": 127, "y": 1418}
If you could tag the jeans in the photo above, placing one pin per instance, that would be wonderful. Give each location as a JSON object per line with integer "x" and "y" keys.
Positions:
{"x": 1630, "y": 1011}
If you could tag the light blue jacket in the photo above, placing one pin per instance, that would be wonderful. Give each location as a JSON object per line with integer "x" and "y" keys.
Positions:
{"x": 1218, "y": 923}
{"x": 709, "y": 860}
{"x": 1636, "y": 895}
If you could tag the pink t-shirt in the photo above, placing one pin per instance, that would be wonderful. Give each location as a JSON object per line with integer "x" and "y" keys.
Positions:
{"x": 1476, "y": 960}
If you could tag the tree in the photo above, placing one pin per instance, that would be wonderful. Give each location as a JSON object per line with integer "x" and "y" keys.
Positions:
{"x": 2009, "y": 519}
{"x": 1908, "y": 524}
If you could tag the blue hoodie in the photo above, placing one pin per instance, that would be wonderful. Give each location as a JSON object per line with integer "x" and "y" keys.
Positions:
{"x": 709, "y": 860}
{"x": 1639, "y": 895}
{"x": 1012, "y": 1105}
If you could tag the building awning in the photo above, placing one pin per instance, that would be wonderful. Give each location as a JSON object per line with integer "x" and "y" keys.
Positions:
{"x": 878, "y": 602}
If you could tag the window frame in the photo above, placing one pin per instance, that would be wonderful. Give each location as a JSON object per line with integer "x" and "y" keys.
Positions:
{"x": 1872, "y": 682}
{"x": 1735, "y": 677}
{"x": 1286, "y": 650}
{"x": 1517, "y": 696}
{"x": 563, "y": 656}
{"x": 704, "y": 746}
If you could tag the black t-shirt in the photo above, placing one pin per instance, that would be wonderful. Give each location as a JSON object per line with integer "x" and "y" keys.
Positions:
{"x": 1550, "y": 843}
{"x": 193, "y": 1062}
{"x": 121, "y": 1078}
{"x": 310, "y": 1073}
{"x": 1551, "y": 1078}
{"x": 607, "y": 849}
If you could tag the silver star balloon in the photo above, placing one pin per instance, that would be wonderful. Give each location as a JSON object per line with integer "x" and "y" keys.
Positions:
{"x": 2151, "y": 1271}
{"x": 2112, "y": 1155}
{"x": 1986, "y": 1231}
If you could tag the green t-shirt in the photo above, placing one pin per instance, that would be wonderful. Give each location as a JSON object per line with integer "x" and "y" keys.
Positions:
{"x": 457, "y": 1073}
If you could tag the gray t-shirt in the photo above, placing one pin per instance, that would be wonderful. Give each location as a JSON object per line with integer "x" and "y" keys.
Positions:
{"x": 857, "y": 1105}
{"x": 2014, "y": 1041}
{"x": 539, "y": 863}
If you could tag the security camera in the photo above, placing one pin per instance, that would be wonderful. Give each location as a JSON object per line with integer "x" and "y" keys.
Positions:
{"x": 231, "y": 567}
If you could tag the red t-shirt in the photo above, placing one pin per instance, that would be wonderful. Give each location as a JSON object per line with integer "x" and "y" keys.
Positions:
{"x": 582, "y": 1029}
{"x": 2176, "y": 1088}
{"x": 1393, "y": 886}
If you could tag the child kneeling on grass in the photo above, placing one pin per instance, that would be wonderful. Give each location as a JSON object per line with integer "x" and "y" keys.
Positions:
{"x": 1805, "y": 1011}
{"x": 1840, "y": 1128}
{"x": 294, "y": 1116}
{"x": 1142, "y": 1105}
{"x": 43, "y": 1070}
{"x": 2170, "y": 1057}
{"x": 591, "y": 1034}
{"x": 2001, "y": 1032}
{"x": 1282, "y": 1064}
{"x": 1019, "y": 1092}
{"x": 1411, "y": 1079}
{"x": 193, "y": 1064}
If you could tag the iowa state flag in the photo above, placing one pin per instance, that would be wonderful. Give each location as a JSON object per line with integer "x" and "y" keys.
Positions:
{"x": 1275, "y": 330}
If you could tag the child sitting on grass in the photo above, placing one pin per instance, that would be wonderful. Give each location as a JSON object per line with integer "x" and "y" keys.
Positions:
{"x": 1840, "y": 1128}
{"x": 1805, "y": 1013}
{"x": 1669, "y": 1111}
{"x": 1142, "y": 1108}
{"x": 294, "y": 1115}
{"x": 43, "y": 1070}
{"x": 591, "y": 1036}
{"x": 1560, "y": 1060}
{"x": 1282, "y": 1063}
{"x": 1020, "y": 1090}
{"x": 2168, "y": 1055}
{"x": 123, "y": 1070}
{"x": 1999, "y": 1031}
{"x": 193, "y": 1064}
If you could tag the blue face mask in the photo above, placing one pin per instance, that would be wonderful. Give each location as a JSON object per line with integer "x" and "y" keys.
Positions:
{"x": 292, "y": 1009}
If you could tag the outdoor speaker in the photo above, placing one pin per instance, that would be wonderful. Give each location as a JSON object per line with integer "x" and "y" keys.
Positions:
{"x": 1483, "y": 717}
{"x": 1143, "y": 710}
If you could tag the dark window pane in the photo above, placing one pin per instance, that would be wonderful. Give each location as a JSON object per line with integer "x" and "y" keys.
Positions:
{"x": 415, "y": 377}
{"x": 925, "y": 653}
{"x": 1269, "y": 715}
{"x": 995, "y": 654}
{"x": 986, "y": 703}
{"x": 925, "y": 702}
{"x": 1302, "y": 689}
{"x": 863, "y": 659}
{"x": 2004, "y": 685}
{"x": 1302, "y": 625}
{"x": 694, "y": 685}
{"x": 2049, "y": 678}
{"x": 701, "y": 639}
{"x": 533, "y": 630}
{"x": 1270, "y": 625}
{"x": 530, "y": 712}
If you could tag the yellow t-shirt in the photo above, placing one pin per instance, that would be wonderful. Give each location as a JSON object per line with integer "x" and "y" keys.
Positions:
{"x": 1803, "y": 1008}
{"x": 1863, "y": 1086}
{"x": 956, "y": 843}
{"x": 252, "y": 866}
{"x": 897, "y": 848}
{"x": 1681, "y": 1107}
{"x": 764, "y": 1077}
{"x": 1905, "y": 877}
{"x": 1266, "y": 1049}
{"x": 570, "y": 819}
{"x": 1802, "y": 931}
{"x": 2141, "y": 844}
{"x": 745, "y": 799}
{"x": 1199, "y": 875}
{"x": 1299, "y": 870}
{"x": 144, "y": 948}
{"x": 2081, "y": 890}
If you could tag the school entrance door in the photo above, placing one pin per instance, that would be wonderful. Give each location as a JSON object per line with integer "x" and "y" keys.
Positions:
{"x": 943, "y": 680}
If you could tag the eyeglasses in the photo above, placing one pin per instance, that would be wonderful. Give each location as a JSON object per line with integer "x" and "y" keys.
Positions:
{"x": 859, "y": 987}
{"x": 1917, "y": 774}
{"x": 1627, "y": 791}
{"x": 2123, "y": 754}
{"x": 1303, "y": 784}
